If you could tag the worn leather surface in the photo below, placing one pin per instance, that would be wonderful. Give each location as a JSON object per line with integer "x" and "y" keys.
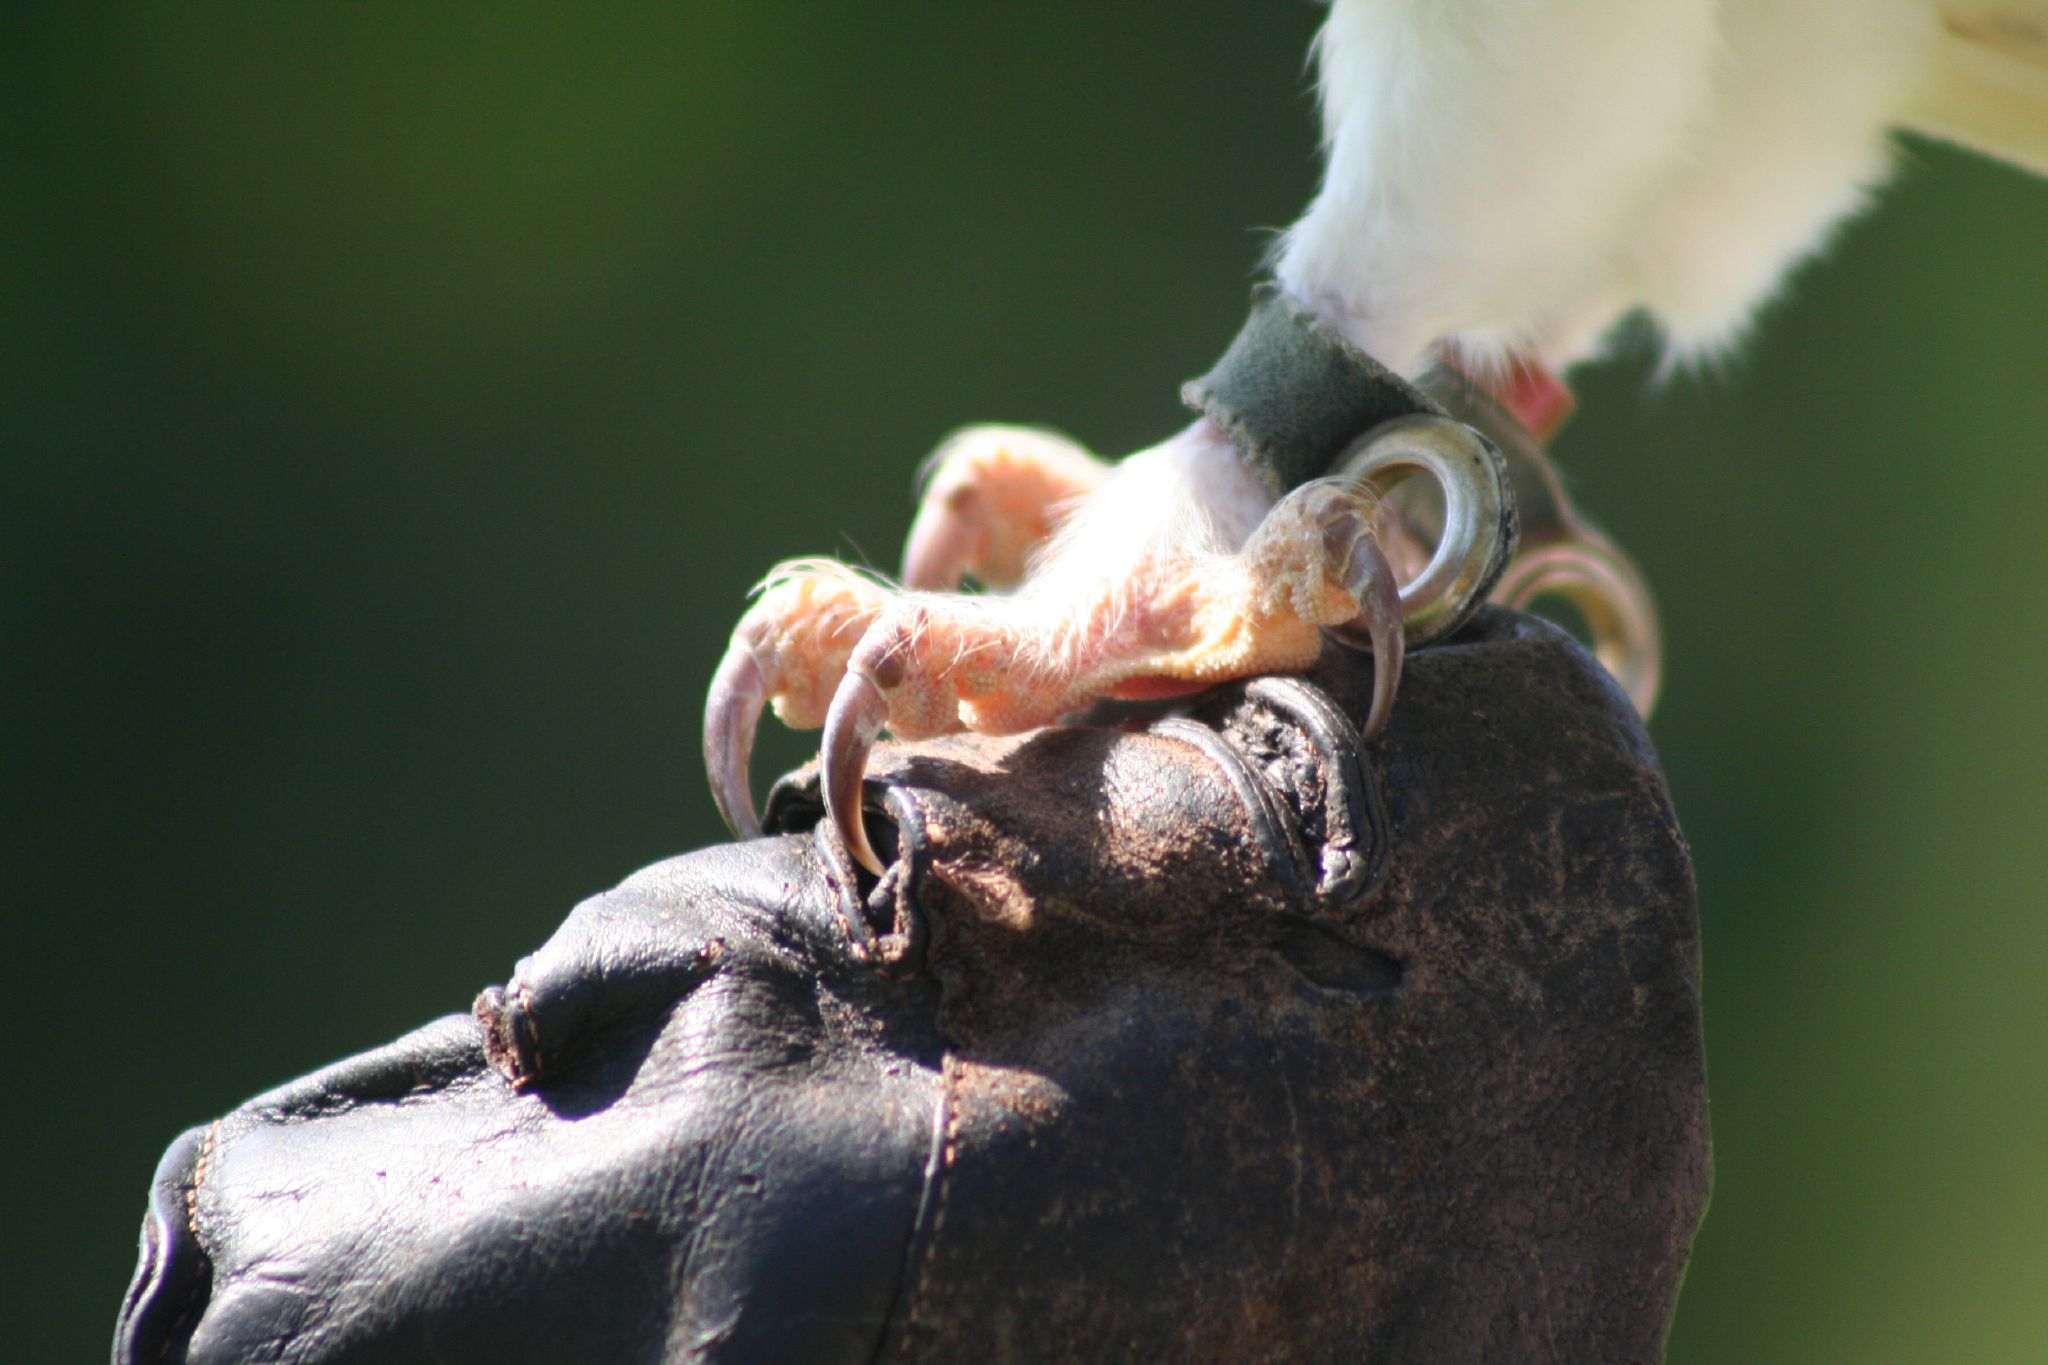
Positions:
{"x": 1229, "y": 1038}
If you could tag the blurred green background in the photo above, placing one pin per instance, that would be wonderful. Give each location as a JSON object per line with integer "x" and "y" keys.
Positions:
{"x": 396, "y": 407}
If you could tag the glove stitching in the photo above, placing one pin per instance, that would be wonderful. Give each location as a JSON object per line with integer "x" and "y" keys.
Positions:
{"x": 949, "y": 1073}
{"x": 176, "y": 1334}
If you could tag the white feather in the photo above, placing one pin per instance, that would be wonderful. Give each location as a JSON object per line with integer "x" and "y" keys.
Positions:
{"x": 1986, "y": 86}
{"x": 1507, "y": 178}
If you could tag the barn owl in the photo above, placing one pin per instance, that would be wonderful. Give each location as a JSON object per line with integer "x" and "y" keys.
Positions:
{"x": 1504, "y": 180}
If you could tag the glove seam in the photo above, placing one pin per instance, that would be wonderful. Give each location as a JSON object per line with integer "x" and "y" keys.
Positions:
{"x": 913, "y": 1317}
{"x": 178, "y": 1333}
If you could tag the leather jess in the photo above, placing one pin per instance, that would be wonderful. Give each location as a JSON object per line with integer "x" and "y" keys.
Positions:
{"x": 1223, "y": 1037}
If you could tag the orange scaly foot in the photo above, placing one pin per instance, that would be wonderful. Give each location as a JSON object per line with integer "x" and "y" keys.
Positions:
{"x": 1176, "y": 571}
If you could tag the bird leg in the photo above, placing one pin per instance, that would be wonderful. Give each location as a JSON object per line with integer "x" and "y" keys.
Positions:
{"x": 1173, "y": 619}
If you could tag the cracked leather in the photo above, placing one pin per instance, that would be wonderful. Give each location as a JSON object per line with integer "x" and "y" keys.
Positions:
{"x": 1220, "y": 1038}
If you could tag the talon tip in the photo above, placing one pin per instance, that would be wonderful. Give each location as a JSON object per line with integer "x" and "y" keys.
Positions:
{"x": 851, "y": 727}
{"x": 732, "y": 711}
{"x": 1370, "y": 576}
{"x": 1388, "y": 646}
{"x": 1385, "y": 676}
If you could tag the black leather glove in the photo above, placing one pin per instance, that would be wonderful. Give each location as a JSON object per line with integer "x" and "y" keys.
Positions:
{"x": 1227, "y": 1039}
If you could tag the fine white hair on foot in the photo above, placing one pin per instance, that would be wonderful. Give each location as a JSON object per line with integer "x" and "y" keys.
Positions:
{"x": 1190, "y": 495}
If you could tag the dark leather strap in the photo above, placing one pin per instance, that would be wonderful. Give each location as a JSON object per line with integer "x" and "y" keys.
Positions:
{"x": 1294, "y": 395}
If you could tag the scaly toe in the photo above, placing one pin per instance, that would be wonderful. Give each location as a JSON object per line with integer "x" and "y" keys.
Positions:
{"x": 791, "y": 650}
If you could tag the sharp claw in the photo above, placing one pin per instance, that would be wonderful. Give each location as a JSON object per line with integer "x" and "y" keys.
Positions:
{"x": 732, "y": 710}
{"x": 1383, "y": 624}
{"x": 934, "y": 556}
{"x": 851, "y": 727}
{"x": 1371, "y": 578}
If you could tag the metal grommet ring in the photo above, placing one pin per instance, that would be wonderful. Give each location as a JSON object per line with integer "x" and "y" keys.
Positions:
{"x": 1609, "y": 594}
{"x": 1563, "y": 554}
{"x": 1479, "y": 531}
